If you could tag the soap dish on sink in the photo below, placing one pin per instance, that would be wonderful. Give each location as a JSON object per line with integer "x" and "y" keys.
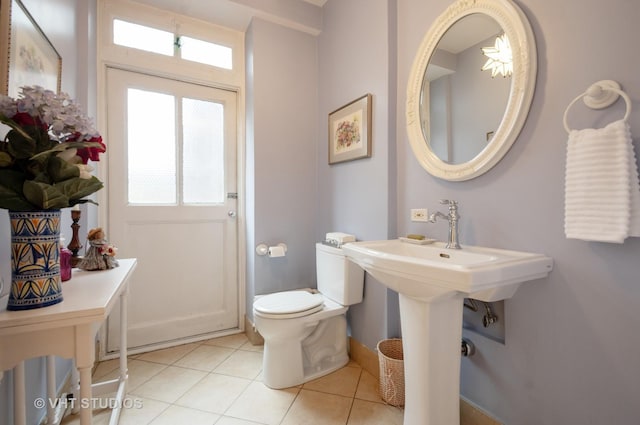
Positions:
{"x": 425, "y": 241}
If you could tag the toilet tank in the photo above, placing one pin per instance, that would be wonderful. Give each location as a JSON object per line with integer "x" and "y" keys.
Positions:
{"x": 338, "y": 278}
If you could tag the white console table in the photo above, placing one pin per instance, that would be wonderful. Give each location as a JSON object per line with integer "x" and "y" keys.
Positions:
{"x": 68, "y": 329}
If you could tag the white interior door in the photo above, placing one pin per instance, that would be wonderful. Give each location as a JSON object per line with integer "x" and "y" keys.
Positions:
{"x": 171, "y": 189}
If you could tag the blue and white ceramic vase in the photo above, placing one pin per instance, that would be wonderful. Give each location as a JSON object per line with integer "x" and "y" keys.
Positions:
{"x": 35, "y": 259}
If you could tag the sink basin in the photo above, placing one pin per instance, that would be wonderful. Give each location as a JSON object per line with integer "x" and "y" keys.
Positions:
{"x": 432, "y": 282}
{"x": 425, "y": 271}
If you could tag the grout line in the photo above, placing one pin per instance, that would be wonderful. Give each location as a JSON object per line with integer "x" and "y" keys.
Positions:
{"x": 353, "y": 399}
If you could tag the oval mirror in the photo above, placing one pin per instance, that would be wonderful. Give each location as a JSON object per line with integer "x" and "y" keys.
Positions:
{"x": 470, "y": 88}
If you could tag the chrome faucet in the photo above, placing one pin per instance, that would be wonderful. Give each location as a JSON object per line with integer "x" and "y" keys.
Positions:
{"x": 452, "y": 218}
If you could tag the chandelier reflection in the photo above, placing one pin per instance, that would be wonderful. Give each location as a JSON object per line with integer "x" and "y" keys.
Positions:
{"x": 500, "y": 57}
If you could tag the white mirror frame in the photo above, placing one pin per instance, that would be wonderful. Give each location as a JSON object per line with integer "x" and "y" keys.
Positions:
{"x": 515, "y": 24}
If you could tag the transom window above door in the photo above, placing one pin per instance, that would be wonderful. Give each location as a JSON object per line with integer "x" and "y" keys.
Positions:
{"x": 166, "y": 43}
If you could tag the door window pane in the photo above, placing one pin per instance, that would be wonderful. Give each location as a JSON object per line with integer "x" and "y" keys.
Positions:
{"x": 203, "y": 152}
{"x": 151, "y": 147}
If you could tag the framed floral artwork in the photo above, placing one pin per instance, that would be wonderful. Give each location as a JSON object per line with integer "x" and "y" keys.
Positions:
{"x": 31, "y": 58}
{"x": 350, "y": 131}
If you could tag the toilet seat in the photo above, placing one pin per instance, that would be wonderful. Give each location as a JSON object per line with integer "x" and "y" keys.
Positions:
{"x": 288, "y": 304}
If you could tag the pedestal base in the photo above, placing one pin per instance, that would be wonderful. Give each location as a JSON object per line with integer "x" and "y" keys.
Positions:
{"x": 431, "y": 335}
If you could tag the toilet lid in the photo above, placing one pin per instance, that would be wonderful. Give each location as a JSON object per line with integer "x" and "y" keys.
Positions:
{"x": 288, "y": 303}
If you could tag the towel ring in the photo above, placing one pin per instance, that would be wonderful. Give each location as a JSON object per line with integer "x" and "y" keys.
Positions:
{"x": 598, "y": 96}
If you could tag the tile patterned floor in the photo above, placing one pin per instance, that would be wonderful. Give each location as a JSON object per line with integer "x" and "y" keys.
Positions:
{"x": 219, "y": 382}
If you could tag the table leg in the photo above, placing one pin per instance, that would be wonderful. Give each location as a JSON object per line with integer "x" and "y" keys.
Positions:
{"x": 51, "y": 389}
{"x": 85, "y": 355}
{"x": 123, "y": 335}
{"x": 86, "y": 411}
{"x": 75, "y": 387}
{"x": 19, "y": 407}
{"x": 124, "y": 374}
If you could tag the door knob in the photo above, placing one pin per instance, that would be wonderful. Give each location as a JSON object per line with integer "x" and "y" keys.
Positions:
{"x": 231, "y": 214}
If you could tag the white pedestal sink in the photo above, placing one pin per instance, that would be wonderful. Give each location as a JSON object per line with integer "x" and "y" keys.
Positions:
{"x": 432, "y": 282}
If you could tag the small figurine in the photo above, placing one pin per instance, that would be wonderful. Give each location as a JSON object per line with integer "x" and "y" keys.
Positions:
{"x": 101, "y": 255}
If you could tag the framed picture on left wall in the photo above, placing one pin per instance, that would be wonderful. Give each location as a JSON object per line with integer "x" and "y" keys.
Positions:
{"x": 31, "y": 58}
{"x": 350, "y": 131}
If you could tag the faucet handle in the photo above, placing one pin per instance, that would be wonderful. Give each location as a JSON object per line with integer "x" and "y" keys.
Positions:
{"x": 448, "y": 202}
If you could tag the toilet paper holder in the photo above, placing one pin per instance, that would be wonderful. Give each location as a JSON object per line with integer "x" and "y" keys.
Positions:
{"x": 272, "y": 251}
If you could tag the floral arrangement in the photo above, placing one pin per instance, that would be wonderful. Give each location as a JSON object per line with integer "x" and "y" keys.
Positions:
{"x": 44, "y": 156}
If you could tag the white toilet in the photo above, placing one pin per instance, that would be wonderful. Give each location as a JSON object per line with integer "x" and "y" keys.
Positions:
{"x": 305, "y": 331}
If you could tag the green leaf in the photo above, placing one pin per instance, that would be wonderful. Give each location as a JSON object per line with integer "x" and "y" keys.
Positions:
{"x": 59, "y": 147}
{"x": 21, "y": 147}
{"x": 16, "y": 203}
{"x": 60, "y": 170}
{"x": 11, "y": 197}
{"x": 5, "y": 160}
{"x": 78, "y": 188}
{"x": 12, "y": 180}
{"x": 11, "y": 123}
{"x": 60, "y": 195}
{"x": 45, "y": 196}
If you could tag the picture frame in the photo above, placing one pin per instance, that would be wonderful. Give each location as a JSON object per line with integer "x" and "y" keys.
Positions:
{"x": 350, "y": 131}
{"x": 31, "y": 58}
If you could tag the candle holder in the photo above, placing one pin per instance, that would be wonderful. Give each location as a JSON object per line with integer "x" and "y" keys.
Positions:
{"x": 75, "y": 245}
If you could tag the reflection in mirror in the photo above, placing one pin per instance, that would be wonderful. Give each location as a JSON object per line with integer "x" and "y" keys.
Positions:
{"x": 460, "y": 120}
{"x": 464, "y": 104}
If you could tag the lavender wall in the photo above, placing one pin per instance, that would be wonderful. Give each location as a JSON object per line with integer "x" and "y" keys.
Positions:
{"x": 356, "y": 57}
{"x": 571, "y": 347}
{"x": 281, "y": 156}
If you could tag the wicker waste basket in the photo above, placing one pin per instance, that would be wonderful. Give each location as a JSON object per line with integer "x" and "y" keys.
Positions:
{"x": 391, "y": 359}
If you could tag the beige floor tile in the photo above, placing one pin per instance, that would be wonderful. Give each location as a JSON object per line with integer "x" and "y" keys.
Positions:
{"x": 180, "y": 375}
{"x": 182, "y": 415}
{"x": 370, "y": 413}
{"x": 205, "y": 357}
{"x": 100, "y": 417}
{"x": 136, "y": 411}
{"x": 143, "y": 412}
{"x": 168, "y": 355}
{"x": 341, "y": 382}
{"x": 353, "y": 363}
{"x": 104, "y": 368}
{"x": 368, "y": 388}
{"x": 316, "y": 408}
{"x": 243, "y": 364}
{"x": 248, "y": 346}
{"x": 262, "y": 404}
{"x": 170, "y": 384}
{"x": 139, "y": 372}
{"x": 230, "y": 341}
{"x": 215, "y": 393}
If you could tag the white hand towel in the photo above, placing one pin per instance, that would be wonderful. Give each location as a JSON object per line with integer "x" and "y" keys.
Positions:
{"x": 602, "y": 193}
